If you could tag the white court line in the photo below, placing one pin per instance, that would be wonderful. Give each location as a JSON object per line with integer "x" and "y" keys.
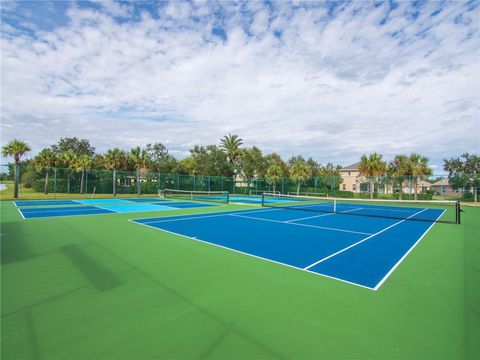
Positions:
{"x": 64, "y": 214}
{"x": 167, "y": 218}
{"x": 254, "y": 256}
{"x": 306, "y": 225}
{"x": 194, "y": 216}
{"x": 317, "y": 216}
{"x": 20, "y": 211}
{"x": 387, "y": 275}
{"x": 361, "y": 241}
{"x": 53, "y": 211}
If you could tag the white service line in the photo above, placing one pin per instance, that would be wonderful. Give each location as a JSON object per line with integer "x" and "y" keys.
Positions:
{"x": 21, "y": 213}
{"x": 317, "y": 216}
{"x": 252, "y": 255}
{"x": 62, "y": 211}
{"x": 306, "y": 225}
{"x": 380, "y": 283}
{"x": 361, "y": 241}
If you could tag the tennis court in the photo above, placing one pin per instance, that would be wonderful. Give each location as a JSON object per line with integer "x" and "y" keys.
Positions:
{"x": 61, "y": 208}
{"x": 316, "y": 235}
{"x": 224, "y": 278}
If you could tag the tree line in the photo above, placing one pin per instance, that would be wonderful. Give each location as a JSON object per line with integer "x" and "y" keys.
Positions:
{"x": 230, "y": 158}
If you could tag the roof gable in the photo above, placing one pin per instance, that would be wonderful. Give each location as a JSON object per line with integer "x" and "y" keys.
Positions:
{"x": 353, "y": 167}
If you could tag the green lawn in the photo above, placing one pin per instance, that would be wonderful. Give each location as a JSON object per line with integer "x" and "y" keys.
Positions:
{"x": 97, "y": 287}
{"x": 31, "y": 194}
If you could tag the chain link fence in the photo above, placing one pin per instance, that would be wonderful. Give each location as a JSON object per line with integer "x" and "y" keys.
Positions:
{"x": 38, "y": 182}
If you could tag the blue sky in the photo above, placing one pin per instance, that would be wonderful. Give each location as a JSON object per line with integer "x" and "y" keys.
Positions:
{"x": 331, "y": 80}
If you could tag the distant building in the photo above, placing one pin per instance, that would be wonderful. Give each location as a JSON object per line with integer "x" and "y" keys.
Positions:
{"x": 353, "y": 181}
{"x": 350, "y": 175}
{"x": 442, "y": 187}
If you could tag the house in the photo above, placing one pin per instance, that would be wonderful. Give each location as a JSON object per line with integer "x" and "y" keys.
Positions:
{"x": 442, "y": 187}
{"x": 350, "y": 175}
{"x": 353, "y": 181}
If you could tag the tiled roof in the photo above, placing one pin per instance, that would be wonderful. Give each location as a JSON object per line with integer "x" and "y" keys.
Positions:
{"x": 443, "y": 182}
{"x": 351, "y": 167}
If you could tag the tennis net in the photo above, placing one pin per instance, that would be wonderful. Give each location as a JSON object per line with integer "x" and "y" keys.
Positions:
{"x": 427, "y": 210}
{"x": 302, "y": 193}
{"x": 260, "y": 192}
{"x": 214, "y": 196}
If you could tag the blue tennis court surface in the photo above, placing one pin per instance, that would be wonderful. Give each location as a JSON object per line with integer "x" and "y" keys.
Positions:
{"x": 31, "y": 213}
{"x": 360, "y": 250}
{"x": 100, "y": 206}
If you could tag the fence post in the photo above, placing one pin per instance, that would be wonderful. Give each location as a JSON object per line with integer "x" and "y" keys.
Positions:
{"x": 114, "y": 182}
{"x": 54, "y": 182}
{"x": 15, "y": 180}
{"x": 86, "y": 183}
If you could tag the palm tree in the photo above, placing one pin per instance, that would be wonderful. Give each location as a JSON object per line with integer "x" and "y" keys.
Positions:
{"x": 372, "y": 166}
{"x": 140, "y": 158}
{"x": 299, "y": 172}
{"x": 274, "y": 175}
{"x": 46, "y": 159}
{"x": 67, "y": 159}
{"x": 330, "y": 176}
{"x": 83, "y": 163}
{"x": 418, "y": 169}
{"x": 17, "y": 149}
{"x": 398, "y": 168}
{"x": 230, "y": 144}
{"x": 114, "y": 159}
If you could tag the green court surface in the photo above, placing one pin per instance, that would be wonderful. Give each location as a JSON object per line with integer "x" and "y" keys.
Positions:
{"x": 98, "y": 287}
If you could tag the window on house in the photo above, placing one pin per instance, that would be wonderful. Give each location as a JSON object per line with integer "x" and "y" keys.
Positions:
{"x": 354, "y": 187}
{"x": 344, "y": 187}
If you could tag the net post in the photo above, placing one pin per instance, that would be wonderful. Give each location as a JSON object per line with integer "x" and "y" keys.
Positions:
{"x": 263, "y": 199}
{"x": 228, "y": 197}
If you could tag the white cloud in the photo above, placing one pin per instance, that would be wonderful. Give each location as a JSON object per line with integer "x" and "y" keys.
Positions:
{"x": 115, "y": 8}
{"x": 329, "y": 87}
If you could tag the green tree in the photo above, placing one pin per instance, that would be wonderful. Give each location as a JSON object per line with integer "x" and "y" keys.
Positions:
{"x": 159, "y": 160}
{"x": 230, "y": 144}
{"x": 252, "y": 163}
{"x": 276, "y": 159}
{"x": 274, "y": 175}
{"x": 188, "y": 166}
{"x": 82, "y": 163}
{"x": 46, "y": 159}
{"x": 397, "y": 169}
{"x": 211, "y": 160}
{"x": 139, "y": 157}
{"x": 74, "y": 145}
{"x": 329, "y": 175}
{"x": 114, "y": 160}
{"x": 299, "y": 172}
{"x": 372, "y": 167}
{"x": 418, "y": 169}
{"x": 67, "y": 160}
{"x": 314, "y": 166}
{"x": 464, "y": 172}
{"x": 16, "y": 149}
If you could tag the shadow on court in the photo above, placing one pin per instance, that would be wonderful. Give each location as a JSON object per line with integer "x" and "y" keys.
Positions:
{"x": 14, "y": 246}
{"x": 96, "y": 274}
